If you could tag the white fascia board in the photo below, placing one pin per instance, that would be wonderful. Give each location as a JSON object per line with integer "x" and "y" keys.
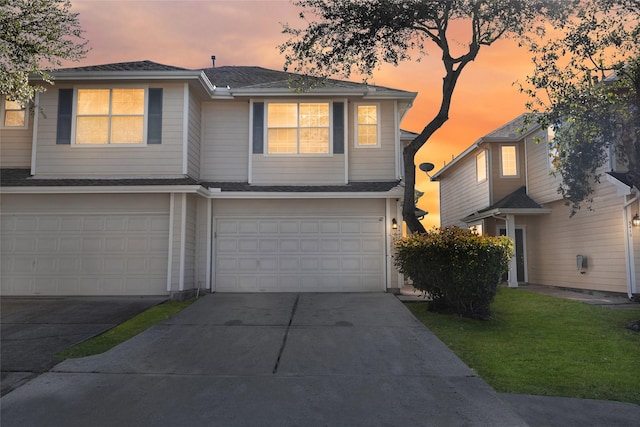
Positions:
{"x": 498, "y": 212}
{"x": 295, "y": 195}
{"x": 103, "y": 189}
{"x": 622, "y": 189}
{"x": 459, "y": 157}
{"x": 128, "y": 75}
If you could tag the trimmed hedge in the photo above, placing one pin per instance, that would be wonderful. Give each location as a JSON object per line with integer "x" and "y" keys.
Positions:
{"x": 459, "y": 269}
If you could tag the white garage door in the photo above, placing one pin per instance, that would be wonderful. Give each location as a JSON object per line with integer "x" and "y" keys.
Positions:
{"x": 84, "y": 254}
{"x": 300, "y": 254}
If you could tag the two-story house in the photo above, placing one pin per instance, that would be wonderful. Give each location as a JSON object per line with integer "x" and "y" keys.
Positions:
{"x": 504, "y": 184}
{"x": 144, "y": 179}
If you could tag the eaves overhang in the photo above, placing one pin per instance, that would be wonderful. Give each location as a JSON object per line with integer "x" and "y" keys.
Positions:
{"x": 623, "y": 186}
{"x": 344, "y": 92}
{"x": 214, "y": 194}
{"x": 493, "y": 213}
{"x": 90, "y": 76}
{"x": 102, "y": 189}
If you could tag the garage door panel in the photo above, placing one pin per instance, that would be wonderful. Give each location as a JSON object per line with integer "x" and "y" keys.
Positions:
{"x": 84, "y": 254}
{"x": 294, "y": 254}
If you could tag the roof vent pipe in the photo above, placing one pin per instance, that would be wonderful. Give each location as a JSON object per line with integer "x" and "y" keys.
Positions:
{"x": 213, "y": 61}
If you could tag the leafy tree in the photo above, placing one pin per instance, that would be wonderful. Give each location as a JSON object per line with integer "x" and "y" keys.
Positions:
{"x": 345, "y": 37}
{"x": 35, "y": 35}
{"x": 586, "y": 87}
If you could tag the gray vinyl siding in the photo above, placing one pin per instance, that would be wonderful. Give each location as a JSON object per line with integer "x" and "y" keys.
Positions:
{"x": 163, "y": 159}
{"x": 190, "y": 243}
{"x": 541, "y": 186}
{"x": 195, "y": 118}
{"x": 15, "y": 147}
{"x": 225, "y": 141}
{"x": 201, "y": 240}
{"x": 373, "y": 163}
{"x": 311, "y": 170}
{"x": 554, "y": 240}
{"x": 460, "y": 193}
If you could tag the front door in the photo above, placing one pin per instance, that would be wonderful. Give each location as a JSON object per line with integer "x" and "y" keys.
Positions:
{"x": 519, "y": 244}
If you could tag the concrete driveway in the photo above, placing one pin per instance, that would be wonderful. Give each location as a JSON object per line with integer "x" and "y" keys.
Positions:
{"x": 32, "y": 330}
{"x": 268, "y": 359}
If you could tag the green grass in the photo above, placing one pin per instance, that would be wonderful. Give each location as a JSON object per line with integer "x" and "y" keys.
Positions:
{"x": 538, "y": 344}
{"x": 124, "y": 331}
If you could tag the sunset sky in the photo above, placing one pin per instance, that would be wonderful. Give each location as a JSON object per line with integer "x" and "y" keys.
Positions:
{"x": 247, "y": 32}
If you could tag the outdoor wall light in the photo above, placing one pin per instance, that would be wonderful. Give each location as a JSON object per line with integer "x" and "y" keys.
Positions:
{"x": 394, "y": 223}
{"x": 636, "y": 220}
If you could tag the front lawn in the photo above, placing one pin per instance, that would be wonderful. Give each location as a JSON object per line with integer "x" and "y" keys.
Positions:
{"x": 538, "y": 344}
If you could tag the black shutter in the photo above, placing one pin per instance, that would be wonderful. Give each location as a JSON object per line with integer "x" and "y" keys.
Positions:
{"x": 338, "y": 127}
{"x": 65, "y": 116}
{"x": 154, "y": 121}
{"x": 258, "y": 127}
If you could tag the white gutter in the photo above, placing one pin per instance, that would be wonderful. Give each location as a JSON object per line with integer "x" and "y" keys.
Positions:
{"x": 301, "y": 195}
{"x": 103, "y": 189}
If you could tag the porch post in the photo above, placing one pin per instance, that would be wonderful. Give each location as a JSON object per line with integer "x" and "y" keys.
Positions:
{"x": 513, "y": 266}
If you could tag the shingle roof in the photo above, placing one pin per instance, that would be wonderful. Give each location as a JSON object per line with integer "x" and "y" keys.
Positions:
{"x": 350, "y": 187}
{"x": 513, "y": 203}
{"x": 263, "y": 78}
{"x": 126, "y": 66}
{"x": 516, "y": 200}
{"x": 22, "y": 178}
{"x": 513, "y": 130}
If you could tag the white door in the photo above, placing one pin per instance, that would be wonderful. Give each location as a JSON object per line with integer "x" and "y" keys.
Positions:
{"x": 284, "y": 254}
{"x": 84, "y": 254}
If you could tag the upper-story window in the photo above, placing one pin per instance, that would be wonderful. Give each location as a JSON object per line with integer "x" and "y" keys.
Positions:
{"x": 110, "y": 116}
{"x": 367, "y": 132}
{"x": 509, "y": 160}
{"x": 14, "y": 115}
{"x": 481, "y": 166}
{"x": 298, "y": 128}
{"x": 552, "y": 150}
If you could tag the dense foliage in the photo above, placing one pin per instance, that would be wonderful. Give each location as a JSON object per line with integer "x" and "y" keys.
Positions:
{"x": 35, "y": 37}
{"x": 586, "y": 86}
{"x": 356, "y": 36}
{"x": 459, "y": 269}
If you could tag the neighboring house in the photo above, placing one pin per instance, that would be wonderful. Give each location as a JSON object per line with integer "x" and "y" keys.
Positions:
{"x": 144, "y": 179}
{"x": 504, "y": 184}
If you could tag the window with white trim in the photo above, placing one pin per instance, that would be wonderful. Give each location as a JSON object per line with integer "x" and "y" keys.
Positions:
{"x": 298, "y": 128}
{"x": 110, "y": 116}
{"x": 367, "y": 131}
{"x": 481, "y": 166}
{"x": 14, "y": 115}
{"x": 509, "y": 160}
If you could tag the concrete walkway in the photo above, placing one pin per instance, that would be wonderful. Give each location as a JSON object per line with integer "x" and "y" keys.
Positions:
{"x": 268, "y": 360}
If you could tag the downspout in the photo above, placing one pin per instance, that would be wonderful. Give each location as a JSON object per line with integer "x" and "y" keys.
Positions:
{"x": 628, "y": 248}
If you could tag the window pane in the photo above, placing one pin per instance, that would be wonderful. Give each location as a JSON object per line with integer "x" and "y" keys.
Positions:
{"x": 367, "y": 135}
{"x": 14, "y": 118}
{"x": 282, "y": 141}
{"x": 92, "y": 130}
{"x": 128, "y": 101}
{"x": 481, "y": 166}
{"x": 509, "y": 161}
{"x": 314, "y": 141}
{"x": 367, "y": 114}
{"x": 127, "y": 130}
{"x": 314, "y": 115}
{"x": 93, "y": 101}
{"x": 282, "y": 115}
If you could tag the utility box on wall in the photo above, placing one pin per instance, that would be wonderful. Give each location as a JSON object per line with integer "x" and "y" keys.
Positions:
{"x": 581, "y": 263}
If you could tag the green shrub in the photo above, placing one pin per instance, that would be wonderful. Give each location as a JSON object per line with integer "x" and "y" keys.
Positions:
{"x": 459, "y": 269}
